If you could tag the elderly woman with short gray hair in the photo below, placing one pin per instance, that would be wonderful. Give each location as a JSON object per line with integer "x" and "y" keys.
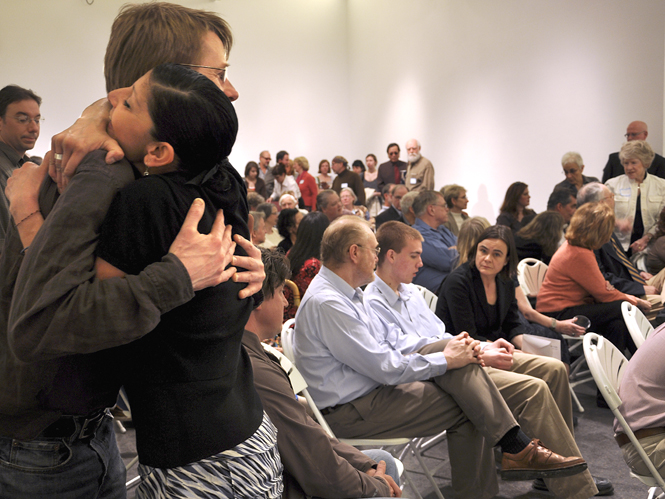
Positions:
{"x": 638, "y": 197}
{"x": 573, "y": 166}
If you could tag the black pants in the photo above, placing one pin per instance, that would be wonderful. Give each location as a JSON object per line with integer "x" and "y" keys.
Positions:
{"x": 606, "y": 320}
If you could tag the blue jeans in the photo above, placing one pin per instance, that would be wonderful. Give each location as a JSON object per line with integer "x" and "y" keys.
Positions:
{"x": 382, "y": 455}
{"x": 63, "y": 468}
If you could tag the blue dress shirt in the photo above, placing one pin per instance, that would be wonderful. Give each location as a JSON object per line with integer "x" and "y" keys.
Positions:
{"x": 338, "y": 352}
{"x": 404, "y": 321}
{"x": 437, "y": 256}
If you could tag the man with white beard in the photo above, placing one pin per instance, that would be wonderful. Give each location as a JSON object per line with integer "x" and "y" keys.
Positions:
{"x": 419, "y": 172}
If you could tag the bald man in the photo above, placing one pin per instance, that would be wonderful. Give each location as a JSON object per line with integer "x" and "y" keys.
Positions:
{"x": 637, "y": 130}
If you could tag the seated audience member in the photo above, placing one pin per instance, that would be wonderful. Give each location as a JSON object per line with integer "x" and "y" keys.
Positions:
{"x": 642, "y": 393}
{"x": 563, "y": 202}
{"x": 387, "y": 197}
{"x": 371, "y": 176}
{"x": 540, "y": 238}
{"x": 395, "y": 210}
{"x": 347, "y": 178}
{"x": 314, "y": 463}
{"x": 574, "y": 284}
{"x": 259, "y": 229}
{"x": 287, "y": 226}
{"x": 573, "y": 166}
{"x": 254, "y": 199}
{"x": 514, "y": 211}
{"x": 329, "y": 203}
{"x": 283, "y": 183}
{"x": 400, "y": 315}
{"x": 406, "y": 206}
{"x": 439, "y": 244}
{"x": 288, "y": 201}
{"x": 637, "y": 130}
{"x": 253, "y": 182}
{"x": 305, "y": 256}
{"x": 306, "y": 183}
{"x": 350, "y": 371}
{"x": 534, "y": 322}
{"x": 656, "y": 250}
{"x": 455, "y": 196}
{"x": 324, "y": 178}
{"x": 348, "y": 198}
{"x": 616, "y": 268}
{"x": 270, "y": 215}
{"x": 637, "y": 196}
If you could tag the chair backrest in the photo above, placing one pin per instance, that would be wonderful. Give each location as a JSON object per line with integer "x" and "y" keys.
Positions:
{"x": 430, "y": 298}
{"x": 297, "y": 381}
{"x": 287, "y": 339}
{"x": 638, "y": 325}
{"x": 295, "y": 292}
{"x": 531, "y": 274}
{"x": 607, "y": 365}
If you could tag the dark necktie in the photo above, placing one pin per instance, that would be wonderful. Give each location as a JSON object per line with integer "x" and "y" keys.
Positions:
{"x": 398, "y": 176}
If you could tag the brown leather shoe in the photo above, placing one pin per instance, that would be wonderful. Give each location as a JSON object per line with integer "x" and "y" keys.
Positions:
{"x": 537, "y": 461}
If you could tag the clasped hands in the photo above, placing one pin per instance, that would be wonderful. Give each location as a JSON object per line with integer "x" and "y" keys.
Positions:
{"x": 463, "y": 350}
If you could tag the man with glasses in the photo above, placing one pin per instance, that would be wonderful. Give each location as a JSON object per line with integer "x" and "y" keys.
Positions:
{"x": 637, "y": 130}
{"x": 19, "y": 130}
{"x": 392, "y": 171}
{"x": 367, "y": 388}
{"x": 265, "y": 172}
{"x": 439, "y": 243}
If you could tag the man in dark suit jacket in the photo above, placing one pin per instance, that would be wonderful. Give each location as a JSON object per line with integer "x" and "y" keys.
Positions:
{"x": 394, "y": 212}
{"x": 637, "y": 130}
{"x": 388, "y": 171}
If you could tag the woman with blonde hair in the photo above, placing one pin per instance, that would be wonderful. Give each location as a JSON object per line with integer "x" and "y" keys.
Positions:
{"x": 638, "y": 197}
{"x": 469, "y": 234}
{"x": 455, "y": 196}
{"x": 306, "y": 183}
{"x": 574, "y": 284}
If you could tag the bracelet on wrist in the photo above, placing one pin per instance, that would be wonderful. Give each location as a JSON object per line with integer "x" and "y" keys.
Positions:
{"x": 31, "y": 214}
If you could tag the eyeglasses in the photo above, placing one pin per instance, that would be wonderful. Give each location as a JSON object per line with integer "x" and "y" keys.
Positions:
{"x": 633, "y": 135}
{"x": 222, "y": 73}
{"x": 376, "y": 250}
{"x": 24, "y": 120}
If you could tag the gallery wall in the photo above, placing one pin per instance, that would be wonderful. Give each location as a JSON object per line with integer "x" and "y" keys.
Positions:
{"x": 495, "y": 91}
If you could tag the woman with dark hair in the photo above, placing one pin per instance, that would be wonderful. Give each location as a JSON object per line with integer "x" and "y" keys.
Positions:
{"x": 479, "y": 297}
{"x": 358, "y": 167}
{"x": 287, "y": 226}
{"x": 540, "y": 238}
{"x": 253, "y": 182}
{"x": 177, "y": 128}
{"x": 514, "y": 212}
{"x": 574, "y": 284}
{"x": 305, "y": 256}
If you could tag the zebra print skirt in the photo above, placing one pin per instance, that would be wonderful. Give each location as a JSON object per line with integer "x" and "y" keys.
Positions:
{"x": 252, "y": 469}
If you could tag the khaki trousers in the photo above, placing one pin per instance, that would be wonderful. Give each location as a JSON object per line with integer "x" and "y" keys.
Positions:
{"x": 654, "y": 446}
{"x": 538, "y": 394}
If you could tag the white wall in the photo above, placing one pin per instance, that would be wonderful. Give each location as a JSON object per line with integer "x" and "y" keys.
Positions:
{"x": 495, "y": 91}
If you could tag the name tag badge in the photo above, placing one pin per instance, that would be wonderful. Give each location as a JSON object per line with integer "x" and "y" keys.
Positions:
{"x": 301, "y": 181}
{"x": 413, "y": 181}
{"x": 625, "y": 192}
{"x": 344, "y": 185}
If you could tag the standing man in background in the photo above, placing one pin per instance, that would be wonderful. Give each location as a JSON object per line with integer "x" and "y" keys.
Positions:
{"x": 392, "y": 171}
{"x": 637, "y": 130}
{"x": 419, "y": 172}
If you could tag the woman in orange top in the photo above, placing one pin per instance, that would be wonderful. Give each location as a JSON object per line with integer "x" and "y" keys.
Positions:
{"x": 574, "y": 284}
